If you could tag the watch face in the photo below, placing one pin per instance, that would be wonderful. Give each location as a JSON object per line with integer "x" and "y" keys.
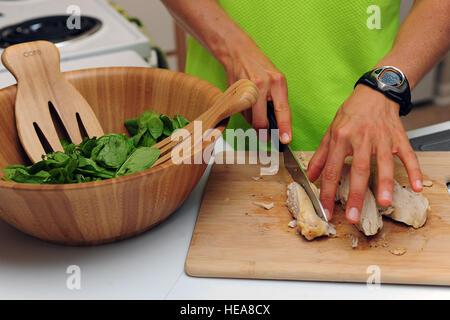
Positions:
{"x": 390, "y": 77}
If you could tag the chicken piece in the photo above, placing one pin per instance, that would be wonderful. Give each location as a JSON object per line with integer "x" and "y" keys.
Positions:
{"x": 302, "y": 209}
{"x": 264, "y": 205}
{"x": 292, "y": 224}
{"x": 371, "y": 221}
{"x": 407, "y": 206}
{"x": 427, "y": 183}
{"x": 355, "y": 242}
{"x": 398, "y": 251}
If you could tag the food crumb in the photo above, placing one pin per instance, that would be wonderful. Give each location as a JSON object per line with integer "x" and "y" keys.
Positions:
{"x": 355, "y": 241}
{"x": 427, "y": 183}
{"x": 398, "y": 251}
{"x": 256, "y": 178}
{"x": 266, "y": 206}
{"x": 292, "y": 224}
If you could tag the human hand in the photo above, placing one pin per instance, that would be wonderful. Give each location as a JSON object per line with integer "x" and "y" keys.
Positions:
{"x": 247, "y": 61}
{"x": 367, "y": 124}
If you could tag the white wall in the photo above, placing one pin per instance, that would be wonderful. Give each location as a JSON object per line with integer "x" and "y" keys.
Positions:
{"x": 157, "y": 21}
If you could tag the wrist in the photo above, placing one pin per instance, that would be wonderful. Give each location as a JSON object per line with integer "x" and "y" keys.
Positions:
{"x": 392, "y": 83}
{"x": 379, "y": 100}
{"x": 230, "y": 45}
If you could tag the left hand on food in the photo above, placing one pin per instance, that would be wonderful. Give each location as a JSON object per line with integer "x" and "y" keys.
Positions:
{"x": 367, "y": 124}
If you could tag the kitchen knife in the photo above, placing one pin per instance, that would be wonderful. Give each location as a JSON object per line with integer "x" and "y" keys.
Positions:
{"x": 294, "y": 166}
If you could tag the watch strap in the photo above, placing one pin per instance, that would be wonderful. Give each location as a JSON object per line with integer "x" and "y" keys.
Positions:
{"x": 404, "y": 99}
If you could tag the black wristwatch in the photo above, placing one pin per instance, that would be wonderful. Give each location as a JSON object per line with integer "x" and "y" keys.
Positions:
{"x": 392, "y": 83}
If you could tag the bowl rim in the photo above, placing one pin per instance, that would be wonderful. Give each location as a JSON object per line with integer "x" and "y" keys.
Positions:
{"x": 123, "y": 179}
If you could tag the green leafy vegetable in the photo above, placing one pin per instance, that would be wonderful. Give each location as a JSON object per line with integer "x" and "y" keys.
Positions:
{"x": 142, "y": 158}
{"x": 168, "y": 125}
{"x": 132, "y": 126}
{"x": 155, "y": 127}
{"x": 111, "y": 155}
{"x": 181, "y": 121}
{"x": 147, "y": 140}
{"x": 112, "y": 150}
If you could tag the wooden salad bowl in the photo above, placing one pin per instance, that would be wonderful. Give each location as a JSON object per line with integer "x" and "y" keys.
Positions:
{"x": 109, "y": 210}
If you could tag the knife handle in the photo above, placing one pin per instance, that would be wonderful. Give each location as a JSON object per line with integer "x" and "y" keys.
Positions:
{"x": 273, "y": 125}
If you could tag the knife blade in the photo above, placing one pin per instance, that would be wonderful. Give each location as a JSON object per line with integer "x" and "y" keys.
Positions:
{"x": 294, "y": 167}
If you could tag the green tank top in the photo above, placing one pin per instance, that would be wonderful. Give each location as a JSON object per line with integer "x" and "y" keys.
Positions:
{"x": 321, "y": 46}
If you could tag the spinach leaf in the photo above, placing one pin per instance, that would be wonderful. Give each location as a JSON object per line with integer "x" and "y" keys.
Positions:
{"x": 155, "y": 127}
{"x": 89, "y": 166}
{"x": 168, "y": 126}
{"x": 181, "y": 121}
{"x": 56, "y": 168}
{"x": 112, "y": 150}
{"x": 147, "y": 140}
{"x": 64, "y": 144}
{"x": 144, "y": 118}
{"x": 109, "y": 156}
{"x": 20, "y": 174}
{"x": 142, "y": 158}
{"x": 87, "y": 146}
{"x": 132, "y": 126}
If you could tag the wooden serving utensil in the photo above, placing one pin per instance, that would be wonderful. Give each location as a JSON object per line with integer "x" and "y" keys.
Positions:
{"x": 238, "y": 97}
{"x": 40, "y": 85}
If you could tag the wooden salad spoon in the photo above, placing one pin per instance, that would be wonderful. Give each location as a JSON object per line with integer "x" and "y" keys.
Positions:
{"x": 41, "y": 86}
{"x": 238, "y": 97}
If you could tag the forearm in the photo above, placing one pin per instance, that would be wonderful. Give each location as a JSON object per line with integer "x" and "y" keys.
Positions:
{"x": 423, "y": 39}
{"x": 211, "y": 26}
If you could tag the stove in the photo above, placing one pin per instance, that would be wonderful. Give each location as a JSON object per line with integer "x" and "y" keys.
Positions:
{"x": 50, "y": 28}
{"x": 101, "y": 29}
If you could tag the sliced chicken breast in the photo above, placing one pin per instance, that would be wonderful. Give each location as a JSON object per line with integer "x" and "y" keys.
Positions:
{"x": 407, "y": 206}
{"x": 371, "y": 221}
{"x": 302, "y": 209}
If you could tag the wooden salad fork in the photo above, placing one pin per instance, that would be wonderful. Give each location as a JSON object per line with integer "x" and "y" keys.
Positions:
{"x": 238, "y": 97}
{"x": 41, "y": 86}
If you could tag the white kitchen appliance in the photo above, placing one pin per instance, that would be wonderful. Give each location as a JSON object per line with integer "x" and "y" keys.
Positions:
{"x": 88, "y": 33}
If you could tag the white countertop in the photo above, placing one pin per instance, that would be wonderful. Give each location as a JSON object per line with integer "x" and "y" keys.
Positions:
{"x": 443, "y": 126}
{"x": 151, "y": 266}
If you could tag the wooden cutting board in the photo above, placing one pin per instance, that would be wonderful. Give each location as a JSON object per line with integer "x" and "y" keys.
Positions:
{"x": 233, "y": 238}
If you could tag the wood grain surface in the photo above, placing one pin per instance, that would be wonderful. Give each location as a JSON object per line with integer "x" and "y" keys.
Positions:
{"x": 113, "y": 209}
{"x": 240, "y": 96}
{"x": 233, "y": 238}
{"x": 35, "y": 65}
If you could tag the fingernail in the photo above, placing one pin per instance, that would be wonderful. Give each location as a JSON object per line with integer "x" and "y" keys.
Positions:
{"x": 285, "y": 138}
{"x": 353, "y": 214}
{"x": 386, "y": 195}
{"x": 419, "y": 184}
{"x": 327, "y": 214}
